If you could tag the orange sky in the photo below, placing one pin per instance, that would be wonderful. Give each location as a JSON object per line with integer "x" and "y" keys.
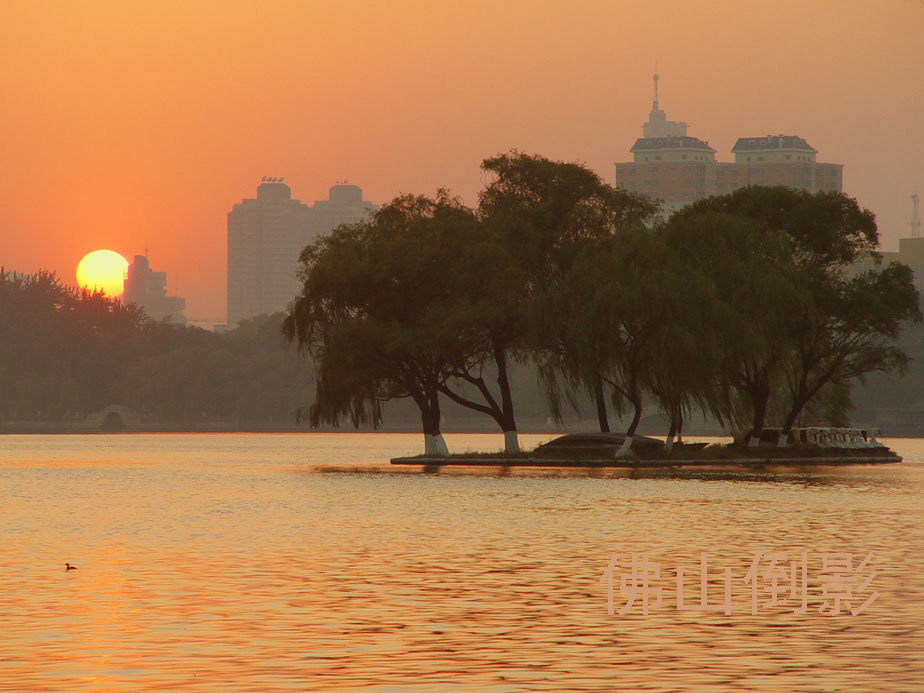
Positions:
{"x": 133, "y": 125}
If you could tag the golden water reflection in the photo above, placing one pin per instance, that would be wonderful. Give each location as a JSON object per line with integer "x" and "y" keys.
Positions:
{"x": 307, "y": 563}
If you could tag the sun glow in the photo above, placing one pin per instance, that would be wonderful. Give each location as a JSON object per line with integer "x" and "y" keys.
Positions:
{"x": 102, "y": 270}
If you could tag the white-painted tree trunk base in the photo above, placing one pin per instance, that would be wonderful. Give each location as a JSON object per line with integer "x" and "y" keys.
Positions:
{"x": 511, "y": 442}
{"x": 754, "y": 442}
{"x": 435, "y": 446}
{"x": 669, "y": 444}
{"x": 626, "y": 449}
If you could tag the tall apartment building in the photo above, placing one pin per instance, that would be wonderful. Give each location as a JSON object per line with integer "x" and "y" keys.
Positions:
{"x": 344, "y": 205}
{"x": 266, "y": 236}
{"x": 148, "y": 289}
{"x": 678, "y": 169}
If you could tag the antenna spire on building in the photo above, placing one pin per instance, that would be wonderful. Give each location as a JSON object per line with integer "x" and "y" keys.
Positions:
{"x": 915, "y": 217}
{"x": 655, "y": 78}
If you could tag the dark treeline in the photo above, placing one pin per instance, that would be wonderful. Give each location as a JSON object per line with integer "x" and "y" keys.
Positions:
{"x": 65, "y": 353}
{"x": 742, "y": 306}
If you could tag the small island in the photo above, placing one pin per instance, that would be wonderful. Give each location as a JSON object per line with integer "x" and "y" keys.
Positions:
{"x": 799, "y": 447}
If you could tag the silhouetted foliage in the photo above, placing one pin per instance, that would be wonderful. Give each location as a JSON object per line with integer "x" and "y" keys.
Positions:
{"x": 548, "y": 215}
{"x": 811, "y": 327}
{"x": 65, "y": 353}
{"x": 379, "y": 314}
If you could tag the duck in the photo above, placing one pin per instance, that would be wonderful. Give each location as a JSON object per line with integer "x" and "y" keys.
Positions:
{"x": 68, "y": 566}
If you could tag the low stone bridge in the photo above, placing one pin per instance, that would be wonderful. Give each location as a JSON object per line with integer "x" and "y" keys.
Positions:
{"x": 115, "y": 417}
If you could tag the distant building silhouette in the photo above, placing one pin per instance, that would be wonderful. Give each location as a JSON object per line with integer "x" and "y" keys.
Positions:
{"x": 148, "y": 290}
{"x": 266, "y": 236}
{"x": 658, "y": 125}
{"x": 670, "y": 166}
{"x": 910, "y": 250}
{"x": 344, "y": 205}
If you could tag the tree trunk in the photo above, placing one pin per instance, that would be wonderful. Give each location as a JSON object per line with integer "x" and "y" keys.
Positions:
{"x": 793, "y": 415}
{"x": 600, "y": 400}
{"x": 626, "y": 449}
{"x": 434, "y": 445}
{"x": 760, "y": 396}
{"x": 636, "y": 416}
{"x": 508, "y": 421}
{"x": 672, "y": 431}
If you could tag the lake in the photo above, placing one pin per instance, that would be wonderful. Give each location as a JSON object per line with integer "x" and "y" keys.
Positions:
{"x": 306, "y": 562}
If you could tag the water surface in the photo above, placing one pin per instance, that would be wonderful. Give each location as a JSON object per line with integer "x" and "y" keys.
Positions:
{"x": 306, "y": 562}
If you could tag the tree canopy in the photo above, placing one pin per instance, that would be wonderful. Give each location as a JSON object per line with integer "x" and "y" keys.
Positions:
{"x": 741, "y": 305}
{"x": 378, "y": 311}
{"x": 811, "y": 325}
{"x": 65, "y": 353}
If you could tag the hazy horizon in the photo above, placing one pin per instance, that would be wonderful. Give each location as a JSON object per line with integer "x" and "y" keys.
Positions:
{"x": 134, "y": 126}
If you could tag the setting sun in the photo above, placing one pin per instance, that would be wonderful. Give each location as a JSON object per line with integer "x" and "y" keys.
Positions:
{"x": 102, "y": 270}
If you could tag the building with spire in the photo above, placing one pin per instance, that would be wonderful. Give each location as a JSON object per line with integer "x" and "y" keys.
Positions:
{"x": 678, "y": 169}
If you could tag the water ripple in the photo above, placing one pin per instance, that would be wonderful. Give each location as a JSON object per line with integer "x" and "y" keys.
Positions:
{"x": 234, "y": 563}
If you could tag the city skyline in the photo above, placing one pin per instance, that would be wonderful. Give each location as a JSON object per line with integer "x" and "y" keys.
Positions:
{"x": 133, "y": 127}
{"x": 671, "y": 166}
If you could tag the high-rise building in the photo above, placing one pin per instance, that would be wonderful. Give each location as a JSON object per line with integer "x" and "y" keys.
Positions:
{"x": 266, "y": 236}
{"x": 148, "y": 290}
{"x": 678, "y": 169}
{"x": 344, "y": 205}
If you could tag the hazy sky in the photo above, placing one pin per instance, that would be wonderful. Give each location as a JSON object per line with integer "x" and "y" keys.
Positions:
{"x": 129, "y": 125}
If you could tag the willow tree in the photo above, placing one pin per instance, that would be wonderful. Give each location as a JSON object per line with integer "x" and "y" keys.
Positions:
{"x": 371, "y": 312}
{"x": 416, "y": 302}
{"x": 757, "y": 288}
{"x": 485, "y": 312}
{"x": 685, "y": 354}
{"x": 814, "y": 326}
{"x": 626, "y": 305}
{"x": 547, "y": 214}
{"x": 849, "y": 332}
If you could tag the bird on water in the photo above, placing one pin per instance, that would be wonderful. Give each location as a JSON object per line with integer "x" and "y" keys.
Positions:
{"x": 68, "y": 566}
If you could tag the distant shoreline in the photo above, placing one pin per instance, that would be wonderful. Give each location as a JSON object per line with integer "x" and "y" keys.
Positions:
{"x": 80, "y": 428}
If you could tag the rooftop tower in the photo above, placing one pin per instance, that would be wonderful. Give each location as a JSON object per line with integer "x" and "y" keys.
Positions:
{"x": 658, "y": 125}
{"x": 915, "y": 217}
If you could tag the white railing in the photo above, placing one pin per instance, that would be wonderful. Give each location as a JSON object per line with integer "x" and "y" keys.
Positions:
{"x": 820, "y": 436}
